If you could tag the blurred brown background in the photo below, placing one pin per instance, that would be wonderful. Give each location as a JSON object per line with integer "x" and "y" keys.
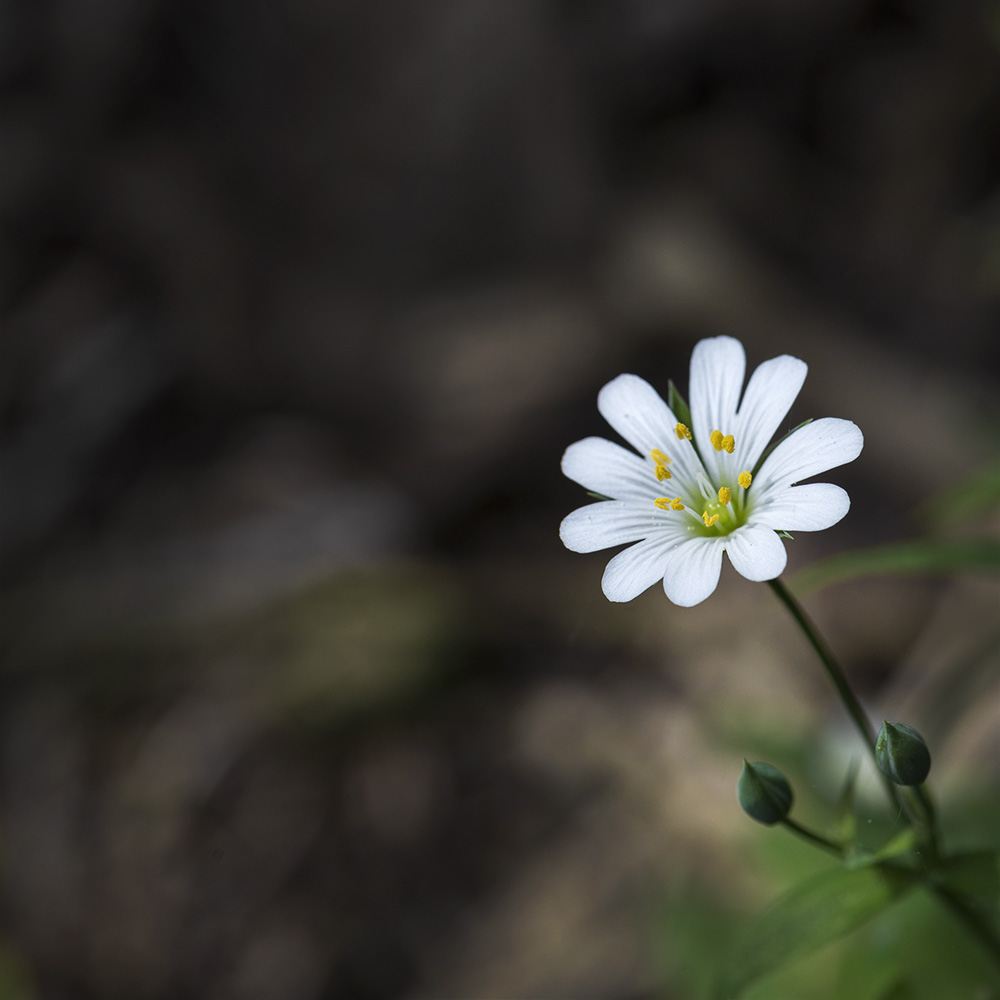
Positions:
{"x": 301, "y": 302}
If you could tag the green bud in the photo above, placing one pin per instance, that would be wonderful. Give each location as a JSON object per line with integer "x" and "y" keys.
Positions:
{"x": 902, "y": 753}
{"x": 764, "y": 793}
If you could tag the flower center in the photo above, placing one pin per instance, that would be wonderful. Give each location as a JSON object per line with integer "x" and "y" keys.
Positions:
{"x": 722, "y": 504}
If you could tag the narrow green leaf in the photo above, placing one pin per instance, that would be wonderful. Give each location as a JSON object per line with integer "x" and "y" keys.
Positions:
{"x": 982, "y": 556}
{"x": 823, "y": 909}
{"x": 977, "y": 495}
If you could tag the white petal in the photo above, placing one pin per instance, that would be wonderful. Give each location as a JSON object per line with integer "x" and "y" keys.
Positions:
{"x": 692, "y": 571}
{"x": 768, "y": 398}
{"x": 823, "y": 444}
{"x": 636, "y": 569}
{"x": 812, "y": 507}
{"x": 611, "y": 522}
{"x": 756, "y": 553}
{"x": 634, "y": 409}
{"x": 717, "y": 368}
{"x": 610, "y": 469}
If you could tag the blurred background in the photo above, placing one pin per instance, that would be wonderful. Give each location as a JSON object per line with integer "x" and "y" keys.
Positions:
{"x": 301, "y": 302}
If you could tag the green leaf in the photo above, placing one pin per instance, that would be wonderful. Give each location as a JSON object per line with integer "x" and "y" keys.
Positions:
{"x": 977, "y": 495}
{"x": 847, "y": 821}
{"x": 821, "y": 910}
{"x": 903, "y": 843}
{"x": 678, "y": 404}
{"x": 898, "y": 989}
{"x": 982, "y": 556}
{"x": 975, "y": 875}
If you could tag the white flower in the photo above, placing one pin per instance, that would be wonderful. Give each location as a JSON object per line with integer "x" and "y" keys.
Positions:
{"x": 693, "y": 493}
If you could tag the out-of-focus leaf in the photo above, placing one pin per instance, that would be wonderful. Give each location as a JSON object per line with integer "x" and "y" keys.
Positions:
{"x": 823, "y": 909}
{"x": 847, "y": 820}
{"x": 902, "y": 843}
{"x": 898, "y": 989}
{"x": 975, "y": 876}
{"x": 982, "y": 556}
{"x": 975, "y": 496}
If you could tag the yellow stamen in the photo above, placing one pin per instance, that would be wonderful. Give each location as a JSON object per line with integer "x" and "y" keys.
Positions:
{"x": 724, "y": 495}
{"x": 676, "y": 504}
{"x": 662, "y": 472}
{"x": 662, "y": 502}
{"x": 681, "y": 430}
{"x": 744, "y": 479}
{"x": 729, "y": 443}
{"x": 709, "y": 521}
{"x": 657, "y": 456}
{"x": 716, "y": 438}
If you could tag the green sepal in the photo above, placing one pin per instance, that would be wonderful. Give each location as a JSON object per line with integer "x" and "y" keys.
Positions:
{"x": 678, "y": 404}
{"x": 598, "y": 496}
{"x": 681, "y": 410}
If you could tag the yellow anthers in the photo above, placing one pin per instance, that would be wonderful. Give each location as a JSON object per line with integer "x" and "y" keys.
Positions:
{"x": 744, "y": 479}
{"x": 665, "y": 503}
{"x": 682, "y": 431}
{"x": 724, "y": 495}
{"x": 728, "y": 443}
{"x": 662, "y": 472}
{"x": 657, "y": 456}
{"x": 709, "y": 521}
{"x": 716, "y": 438}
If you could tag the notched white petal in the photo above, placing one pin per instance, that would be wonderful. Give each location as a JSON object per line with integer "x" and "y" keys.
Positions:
{"x": 607, "y": 523}
{"x": 635, "y": 570}
{"x": 756, "y": 553}
{"x": 609, "y": 469}
{"x": 819, "y": 446}
{"x": 636, "y": 411}
{"x": 692, "y": 571}
{"x": 717, "y": 368}
{"x": 769, "y": 395}
{"x": 813, "y": 507}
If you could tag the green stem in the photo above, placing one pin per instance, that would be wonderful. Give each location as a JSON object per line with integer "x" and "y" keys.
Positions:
{"x": 840, "y": 683}
{"x": 813, "y": 838}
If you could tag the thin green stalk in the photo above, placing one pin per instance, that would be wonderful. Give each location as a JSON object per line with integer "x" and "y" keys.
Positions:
{"x": 813, "y": 838}
{"x": 840, "y": 683}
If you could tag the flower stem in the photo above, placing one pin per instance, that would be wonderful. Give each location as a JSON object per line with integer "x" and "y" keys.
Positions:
{"x": 813, "y": 838}
{"x": 840, "y": 683}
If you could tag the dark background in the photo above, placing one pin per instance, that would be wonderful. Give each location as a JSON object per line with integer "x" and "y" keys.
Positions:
{"x": 301, "y": 302}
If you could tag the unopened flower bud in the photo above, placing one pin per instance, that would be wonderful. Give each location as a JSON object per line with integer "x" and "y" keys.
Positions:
{"x": 764, "y": 793}
{"x": 902, "y": 753}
